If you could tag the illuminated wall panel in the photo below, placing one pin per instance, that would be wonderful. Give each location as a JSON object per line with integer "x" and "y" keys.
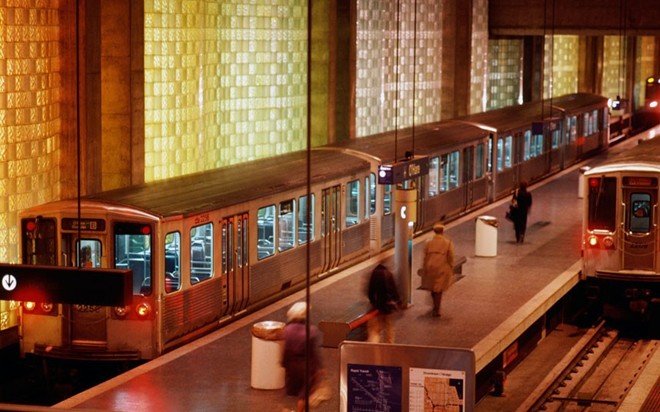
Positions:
{"x": 505, "y": 73}
{"x": 30, "y": 87}
{"x": 563, "y": 79}
{"x": 645, "y": 57}
{"x": 479, "y": 57}
{"x": 225, "y": 82}
{"x": 614, "y": 70}
{"x": 385, "y": 45}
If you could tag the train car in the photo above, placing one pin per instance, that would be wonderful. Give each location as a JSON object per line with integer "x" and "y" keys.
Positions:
{"x": 534, "y": 140}
{"x": 456, "y": 182}
{"x": 204, "y": 249}
{"x": 208, "y": 248}
{"x": 621, "y": 238}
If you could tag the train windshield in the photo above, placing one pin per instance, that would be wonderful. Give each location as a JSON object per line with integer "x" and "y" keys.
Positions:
{"x": 602, "y": 203}
{"x": 640, "y": 213}
{"x": 133, "y": 251}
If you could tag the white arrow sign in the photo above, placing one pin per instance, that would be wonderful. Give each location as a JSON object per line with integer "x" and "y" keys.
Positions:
{"x": 9, "y": 282}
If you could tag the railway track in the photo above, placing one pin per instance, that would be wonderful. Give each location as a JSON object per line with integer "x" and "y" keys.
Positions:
{"x": 595, "y": 375}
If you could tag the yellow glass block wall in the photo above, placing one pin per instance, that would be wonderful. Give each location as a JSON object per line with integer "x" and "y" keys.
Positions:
{"x": 30, "y": 92}
{"x": 225, "y": 82}
{"x": 614, "y": 71}
{"x": 560, "y": 61}
{"x": 479, "y": 57}
{"x": 505, "y": 73}
{"x": 645, "y": 59}
{"x": 398, "y": 52}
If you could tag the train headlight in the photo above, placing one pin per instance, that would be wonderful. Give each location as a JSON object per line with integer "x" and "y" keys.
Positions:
{"x": 47, "y": 307}
{"x": 593, "y": 241}
{"x": 143, "y": 309}
{"x": 121, "y": 311}
{"x": 608, "y": 242}
{"x": 29, "y": 306}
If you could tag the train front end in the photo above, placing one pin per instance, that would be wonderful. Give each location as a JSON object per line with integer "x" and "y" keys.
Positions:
{"x": 620, "y": 242}
{"x": 54, "y": 236}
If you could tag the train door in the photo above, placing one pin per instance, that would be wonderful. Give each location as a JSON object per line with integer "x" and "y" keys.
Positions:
{"x": 235, "y": 262}
{"x": 87, "y": 324}
{"x": 640, "y": 206}
{"x": 330, "y": 227}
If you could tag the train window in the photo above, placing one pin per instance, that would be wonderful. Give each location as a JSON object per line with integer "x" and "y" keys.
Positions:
{"x": 594, "y": 122}
{"x": 640, "y": 213}
{"x": 172, "y": 258}
{"x": 305, "y": 206}
{"x": 372, "y": 193}
{"x": 89, "y": 253}
{"x": 286, "y": 225}
{"x": 602, "y": 204}
{"x": 479, "y": 167}
{"x": 586, "y": 122}
{"x": 500, "y": 155}
{"x": 367, "y": 198}
{"x": 352, "y": 203}
{"x": 433, "y": 178}
{"x": 266, "y": 231}
{"x": 387, "y": 199}
{"x": 527, "y": 145}
{"x": 449, "y": 178}
{"x": 533, "y": 145}
{"x": 133, "y": 251}
{"x": 508, "y": 151}
{"x": 573, "y": 128}
{"x": 201, "y": 253}
{"x": 556, "y": 135}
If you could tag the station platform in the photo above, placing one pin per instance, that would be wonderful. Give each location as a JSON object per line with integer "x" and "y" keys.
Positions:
{"x": 493, "y": 303}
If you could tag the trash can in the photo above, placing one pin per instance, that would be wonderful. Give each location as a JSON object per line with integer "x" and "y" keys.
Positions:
{"x": 486, "y": 236}
{"x": 583, "y": 170}
{"x": 267, "y": 350}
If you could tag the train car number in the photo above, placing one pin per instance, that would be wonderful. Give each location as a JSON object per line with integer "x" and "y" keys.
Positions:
{"x": 202, "y": 219}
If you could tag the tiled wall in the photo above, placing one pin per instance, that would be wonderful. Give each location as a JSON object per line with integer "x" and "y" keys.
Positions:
{"x": 30, "y": 90}
{"x": 391, "y": 64}
{"x": 505, "y": 72}
{"x": 225, "y": 82}
{"x": 479, "y": 70}
{"x": 560, "y": 71}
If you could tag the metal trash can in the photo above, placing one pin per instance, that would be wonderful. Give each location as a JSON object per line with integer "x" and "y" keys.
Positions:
{"x": 267, "y": 350}
{"x": 583, "y": 170}
{"x": 486, "y": 236}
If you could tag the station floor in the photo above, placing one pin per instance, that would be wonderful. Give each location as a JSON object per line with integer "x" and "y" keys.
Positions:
{"x": 486, "y": 310}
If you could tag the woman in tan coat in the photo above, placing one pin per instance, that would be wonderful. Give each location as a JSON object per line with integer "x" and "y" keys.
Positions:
{"x": 438, "y": 270}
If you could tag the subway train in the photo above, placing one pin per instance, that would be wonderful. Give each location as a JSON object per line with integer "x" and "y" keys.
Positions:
{"x": 621, "y": 238}
{"x": 208, "y": 248}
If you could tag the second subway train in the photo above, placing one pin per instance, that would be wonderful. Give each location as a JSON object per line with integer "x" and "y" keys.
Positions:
{"x": 208, "y": 248}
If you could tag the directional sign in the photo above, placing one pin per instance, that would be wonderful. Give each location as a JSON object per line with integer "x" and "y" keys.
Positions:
{"x": 54, "y": 284}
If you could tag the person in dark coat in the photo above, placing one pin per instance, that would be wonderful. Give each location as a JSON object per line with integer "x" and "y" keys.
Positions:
{"x": 438, "y": 270}
{"x": 295, "y": 348}
{"x": 522, "y": 203}
{"x": 384, "y": 296}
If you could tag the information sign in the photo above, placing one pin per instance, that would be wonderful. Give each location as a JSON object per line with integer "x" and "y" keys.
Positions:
{"x": 54, "y": 284}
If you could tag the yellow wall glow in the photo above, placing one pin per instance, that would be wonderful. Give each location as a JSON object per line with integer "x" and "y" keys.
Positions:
{"x": 225, "y": 82}
{"x": 379, "y": 105}
{"x": 563, "y": 79}
{"x": 30, "y": 90}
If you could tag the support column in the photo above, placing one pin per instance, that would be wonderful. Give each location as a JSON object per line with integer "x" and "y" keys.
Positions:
{"x": 405, "y": 205}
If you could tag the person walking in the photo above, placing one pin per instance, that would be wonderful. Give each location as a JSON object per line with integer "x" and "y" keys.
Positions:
{"x": 438, "y": 270}
{"x": 384, "y": 296}
{"x": 521, "y": 204}
{"x": 295, "y": 353}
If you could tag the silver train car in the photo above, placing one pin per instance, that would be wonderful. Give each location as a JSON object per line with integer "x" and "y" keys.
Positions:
{"x": 208, "y": 248}
{"x": 621, "y": 238}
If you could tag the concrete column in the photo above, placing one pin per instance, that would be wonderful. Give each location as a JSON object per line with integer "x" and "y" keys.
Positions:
{"x": 405, "y": 207}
